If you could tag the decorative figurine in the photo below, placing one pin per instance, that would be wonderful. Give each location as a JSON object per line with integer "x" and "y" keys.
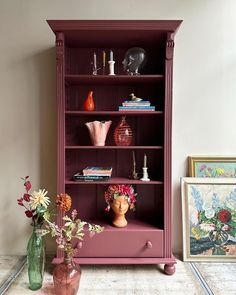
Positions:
{"x": 135, "y": 59}
{"x": 111, "y": 63}
{"x": 135, "y": 98}
{"x": 145, "y": 173}
{"x": 120, "y": 197}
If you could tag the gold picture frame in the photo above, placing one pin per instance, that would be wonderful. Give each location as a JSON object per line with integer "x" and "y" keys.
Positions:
{"x": 208, "y": 219}
{"x": 200, "y": 166}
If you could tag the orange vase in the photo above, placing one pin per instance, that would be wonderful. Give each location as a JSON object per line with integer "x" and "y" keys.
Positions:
{"x": 89, "y": 103}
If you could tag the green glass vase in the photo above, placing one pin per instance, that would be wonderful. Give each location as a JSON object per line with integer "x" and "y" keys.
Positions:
{"x": 35, "y": 259}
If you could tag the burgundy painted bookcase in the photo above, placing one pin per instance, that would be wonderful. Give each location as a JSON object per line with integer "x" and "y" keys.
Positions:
{"x": 147, "y": 238}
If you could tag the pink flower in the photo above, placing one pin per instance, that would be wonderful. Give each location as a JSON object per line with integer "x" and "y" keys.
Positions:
{"x": 29, "y": 213}
{"x": 203, "y": 167}
{"x": 226, "y": 227}
{"x": 20, "y": 202}
{"x": 74, "y": 214}
{"x": 27, "y": 185}
{"x": 26, "y": 197}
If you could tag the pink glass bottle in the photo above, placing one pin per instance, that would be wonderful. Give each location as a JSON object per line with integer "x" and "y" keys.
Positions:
{"x": 123, "y": 133}
{"x": 66, "y": 277}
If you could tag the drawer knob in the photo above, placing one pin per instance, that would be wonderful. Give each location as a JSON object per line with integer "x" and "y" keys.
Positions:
{"x": 149, "y": 245}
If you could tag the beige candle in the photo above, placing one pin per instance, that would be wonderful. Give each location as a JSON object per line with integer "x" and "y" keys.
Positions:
{"x": 145, "y": 161}
{"x": 103, "y": 58}
{"x": 134, "y": 162}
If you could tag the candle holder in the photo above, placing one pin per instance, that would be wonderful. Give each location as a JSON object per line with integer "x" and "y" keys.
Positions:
{"x": 95, "y": 69}
{"x": 103, "y": 62}
{"x": 94, "y": 63}
{"x": 111, "y": 67}
{"x": 145, "y": 175}
{"x": 134, "y": 174}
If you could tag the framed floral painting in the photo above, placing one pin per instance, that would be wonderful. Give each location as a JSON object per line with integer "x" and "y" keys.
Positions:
{"x": 209, "y": 219}
{"x": 212, "y": 167}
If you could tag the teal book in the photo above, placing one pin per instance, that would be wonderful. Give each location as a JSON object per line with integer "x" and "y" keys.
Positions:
{"x": 136, "y": 108}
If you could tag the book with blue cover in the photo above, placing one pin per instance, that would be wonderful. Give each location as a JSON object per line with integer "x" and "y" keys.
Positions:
{"x": 136, "y": 108}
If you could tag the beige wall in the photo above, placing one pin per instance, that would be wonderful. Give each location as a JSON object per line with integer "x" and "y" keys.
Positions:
{"x": 204, "y": 92}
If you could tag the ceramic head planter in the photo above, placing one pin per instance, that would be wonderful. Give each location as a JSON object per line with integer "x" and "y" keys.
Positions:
{"x": 120, "y": 198}
{"x": 135, "y": 59}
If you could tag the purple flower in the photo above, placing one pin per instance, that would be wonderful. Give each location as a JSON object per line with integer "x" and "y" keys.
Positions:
{"x": 203, "y": 167}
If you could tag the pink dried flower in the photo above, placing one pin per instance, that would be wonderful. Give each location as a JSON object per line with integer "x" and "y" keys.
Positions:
{"x": 27, "y": 185}
{"x": 74, "y": 214}
{"x": 70, "y": 234}
{"x": 35, "y": 204}
{"x": 29, "y": 213}
{"x": 20, "y": 202}
{"x": 26, "y": 197}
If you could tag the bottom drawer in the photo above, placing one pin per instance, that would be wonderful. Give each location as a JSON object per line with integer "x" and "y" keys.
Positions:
{"x": 131, "y": 241}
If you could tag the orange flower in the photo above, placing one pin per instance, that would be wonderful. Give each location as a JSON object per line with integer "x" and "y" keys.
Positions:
{"x": 63, "y": 201}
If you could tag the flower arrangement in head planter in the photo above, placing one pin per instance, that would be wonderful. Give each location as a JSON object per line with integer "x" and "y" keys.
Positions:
{"x": 69, "y": 235}
{"x": 120, "y": 197}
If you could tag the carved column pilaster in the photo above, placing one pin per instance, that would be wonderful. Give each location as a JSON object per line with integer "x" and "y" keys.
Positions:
{"x": 60, "y": 93}
{"x": 167, "y": 144}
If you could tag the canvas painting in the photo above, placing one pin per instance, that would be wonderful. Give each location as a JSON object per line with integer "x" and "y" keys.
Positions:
{"x": 212, "y": 167}
{"x": 209, "y": 219}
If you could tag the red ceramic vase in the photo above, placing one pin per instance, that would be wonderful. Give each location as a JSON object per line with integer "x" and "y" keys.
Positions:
{"x": 89, "y": 103}
{"x": 66, "y": 277}
{"x": 123, "y": 133}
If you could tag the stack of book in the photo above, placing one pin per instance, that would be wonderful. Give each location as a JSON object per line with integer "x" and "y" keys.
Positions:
{"x": 132, "y": 105}
{"x": 94, "y": 174}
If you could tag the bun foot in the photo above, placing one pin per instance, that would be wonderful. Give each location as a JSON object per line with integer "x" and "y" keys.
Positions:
{"x": 169, "y": 269}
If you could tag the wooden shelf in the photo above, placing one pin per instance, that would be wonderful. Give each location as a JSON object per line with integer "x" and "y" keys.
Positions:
{"x": 117, "y": 79}
{"x": 133, "y": 225}
{"x": 115, "y": 180}
{"x": 131, "y": 147}
{"x": 114, "y": 113}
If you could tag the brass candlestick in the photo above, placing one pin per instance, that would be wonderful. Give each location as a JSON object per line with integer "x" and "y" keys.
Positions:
{"x": 134, "y": 173}
{"x": 103, "y": 62}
